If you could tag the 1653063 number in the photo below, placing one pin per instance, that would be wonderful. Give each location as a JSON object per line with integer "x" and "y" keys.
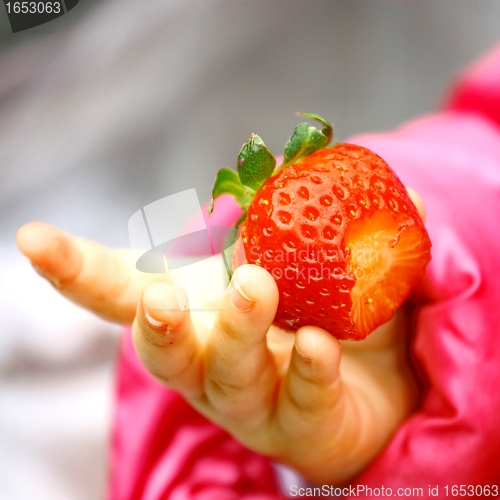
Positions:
{"x": 33, "y": 7}
{"x": 471, "y": 491}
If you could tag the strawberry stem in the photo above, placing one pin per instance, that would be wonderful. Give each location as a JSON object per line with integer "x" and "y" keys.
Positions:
{"x": 256, "y": 163}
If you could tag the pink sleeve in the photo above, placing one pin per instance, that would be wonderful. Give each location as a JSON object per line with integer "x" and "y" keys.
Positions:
{"x": 453, "y": 160}
{"x": 164, "y": 449}
{"x": 478, "y": 87}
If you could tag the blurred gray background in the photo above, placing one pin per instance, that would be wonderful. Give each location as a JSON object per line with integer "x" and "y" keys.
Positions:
{"x": 119, "y": 103}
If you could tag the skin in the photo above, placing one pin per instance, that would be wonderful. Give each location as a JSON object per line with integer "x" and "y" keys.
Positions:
{"x": 323, "y": 407}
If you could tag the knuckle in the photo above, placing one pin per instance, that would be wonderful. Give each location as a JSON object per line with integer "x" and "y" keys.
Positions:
{"x": 300, "y": 403}
{"x": 307, "y": 374}
{"x": 236, "y": 374}
{"x": 314, "y": 401}
{"x": 236, "y": 333}
{"x": 169, "y": 379}
{"x": 234, "y": 390}
{"x": 313, "y": 374}
{"x": 158, "y": 339}
{"x": 227, "y": 388}
{"x": 172, "y": 376}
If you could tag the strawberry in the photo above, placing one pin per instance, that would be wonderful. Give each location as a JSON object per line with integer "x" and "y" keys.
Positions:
{"x": 334, "y": 226}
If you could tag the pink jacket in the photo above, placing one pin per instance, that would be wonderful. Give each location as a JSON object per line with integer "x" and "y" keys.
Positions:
{"x": 164, "y": 449}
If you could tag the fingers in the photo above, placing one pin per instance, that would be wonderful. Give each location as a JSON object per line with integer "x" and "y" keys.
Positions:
{"x": 53, "y": 253}
{"x": 96, "y": 277}
{"x": 418, "y": 201}
{"x": 240, "y": 374}
{"x": 312, "y": 388}
{"x": 165, "y": 340}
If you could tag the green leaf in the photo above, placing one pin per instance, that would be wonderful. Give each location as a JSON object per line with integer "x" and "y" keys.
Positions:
{"x": 228, "y": 182}
{"x": 255, "y": 162}
{"x": 327, "y": 131}
{"x": 306, "y": 140}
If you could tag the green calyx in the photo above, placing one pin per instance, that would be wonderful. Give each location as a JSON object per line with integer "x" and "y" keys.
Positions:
{"x": 229, "y": 182}
{"x": 256, "y": 163}
{"x": 306, "y": 140}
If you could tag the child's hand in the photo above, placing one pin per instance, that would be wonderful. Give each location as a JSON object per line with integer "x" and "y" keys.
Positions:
{"x": 286, "y": 396}
{"x": 290, "y": 397}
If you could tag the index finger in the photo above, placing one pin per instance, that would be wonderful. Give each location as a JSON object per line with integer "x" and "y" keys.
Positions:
{"x": 94, "y": 276}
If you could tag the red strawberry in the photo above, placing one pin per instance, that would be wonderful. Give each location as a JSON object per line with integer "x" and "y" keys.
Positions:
{"x": 335, "y": 227}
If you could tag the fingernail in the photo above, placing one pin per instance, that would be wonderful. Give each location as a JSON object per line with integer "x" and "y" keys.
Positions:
{"x": 160, "y": 325}
{"x": 303, "y": 357}
{"x": 239, "y": 300}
